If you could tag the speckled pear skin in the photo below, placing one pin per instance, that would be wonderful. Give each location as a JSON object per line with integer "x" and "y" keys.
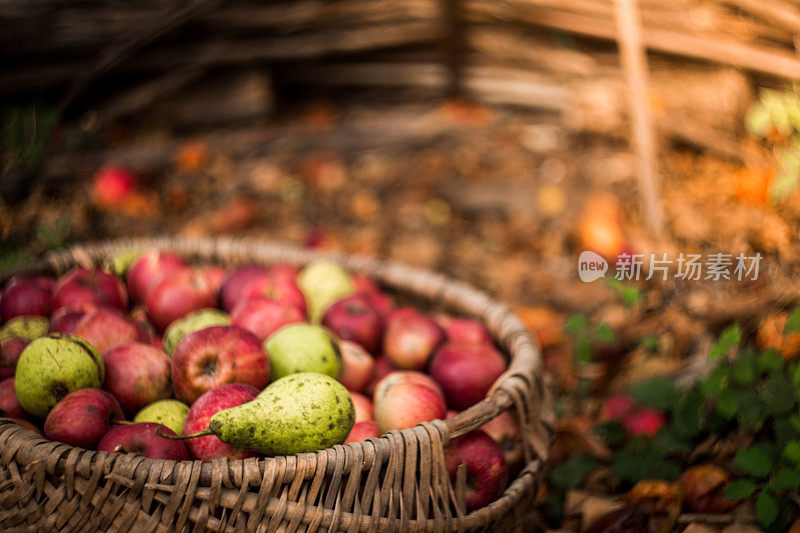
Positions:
{"x": 303, "y": 412}
{"x": 195, "y": 321}
{"x": 322, "y": 283}
{"x": 303, "y": 348}
{"x": 25, "y": 327}
{"x": 51, "y": 367}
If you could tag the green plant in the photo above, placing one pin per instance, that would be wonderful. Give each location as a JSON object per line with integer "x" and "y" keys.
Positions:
{"x": 584, "y": 336}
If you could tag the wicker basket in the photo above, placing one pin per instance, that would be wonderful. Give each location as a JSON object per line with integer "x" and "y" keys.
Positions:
{"x": 394, "y": 483}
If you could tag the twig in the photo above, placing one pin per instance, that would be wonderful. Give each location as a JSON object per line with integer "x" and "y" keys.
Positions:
{"x": 634, "y": 63}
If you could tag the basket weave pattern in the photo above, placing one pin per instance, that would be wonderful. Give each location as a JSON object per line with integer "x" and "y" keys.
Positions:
{"x": 398, "y": 482}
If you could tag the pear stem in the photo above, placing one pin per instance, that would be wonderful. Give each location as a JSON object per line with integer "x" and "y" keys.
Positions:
{"x": 204, "y": 433}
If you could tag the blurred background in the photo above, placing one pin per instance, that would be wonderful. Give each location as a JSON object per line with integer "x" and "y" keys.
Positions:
{"x": 487, "y": 139}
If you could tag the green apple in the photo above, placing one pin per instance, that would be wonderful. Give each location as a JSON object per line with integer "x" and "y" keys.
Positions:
{"x": 171, "y": 413}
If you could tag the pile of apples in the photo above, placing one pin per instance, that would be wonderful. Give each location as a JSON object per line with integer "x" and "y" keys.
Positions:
{"x": 157, "y": 357}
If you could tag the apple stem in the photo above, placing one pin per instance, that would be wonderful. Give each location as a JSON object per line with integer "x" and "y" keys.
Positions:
{"x": 204, "y": 433}
{"x": 122, "y": 422}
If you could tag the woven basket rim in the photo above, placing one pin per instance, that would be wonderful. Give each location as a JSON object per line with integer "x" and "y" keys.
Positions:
{"x": 524, "y": 369}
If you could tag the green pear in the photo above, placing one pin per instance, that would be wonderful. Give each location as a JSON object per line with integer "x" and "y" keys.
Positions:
{"x": 51, "y": 367}
{"x": 171, "y": 413}
{"x": 303, "y": 348}
{"x": 195, "y": 321}
{"x": 119, "y": 263}
{"x": 25, "y": 327}
{"x": 300, "y": 413}
{"x": 322, "y": 283}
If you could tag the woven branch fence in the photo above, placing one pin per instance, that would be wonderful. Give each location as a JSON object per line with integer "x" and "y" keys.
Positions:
{"x": 398, "y": 482}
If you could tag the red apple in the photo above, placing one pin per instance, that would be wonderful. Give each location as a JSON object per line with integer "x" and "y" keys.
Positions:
{"x": 215, "y": 276}
{"x": 353, "y": 318}
{"x": 406, "y": 376}
{"x": 362, "y": 431}
{"x": 411, "y": 339}
{"x": 644, "y": 422}
{"x": 206, "y": 406}
{"x": 358, "y": 365}
{"x": 504, "y": 430}
{"x": 383, "y": 367}
{"x": 234, "y": 283}
{"x": 280, "y": 283}
{"x": 105, "y": 328}
{"x": 83, "y": 286}
{"x": 381, "y": 303}
{"x": 9, "y": 403}
{"x": 138, "y": 317}
{"x": 464, "y": 330}
{"x": 487, "y": 472}
{"x": 31, "y": 296}
{"x": 617, "y": 407}
{"x": 65, "y": 319}
{"x": 263, "y": 317}
{"x": 177, "y": 295}
{"x": 363, "y": 407}
{"x": 405, "y": 405}
{"x": 211, "y": 357}
{"x": 10, "y": 350}
{"x": 82, "y": 418}
{"x": 113, "y": 186}
{"x": 137, "y": 375}
{"x": 150, "y": 268}
{"x": 143, "y": 438}
{"x": 466, "y": 372}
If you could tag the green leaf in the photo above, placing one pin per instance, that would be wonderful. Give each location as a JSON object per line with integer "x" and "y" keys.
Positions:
{"x": 777, "y": 395}
{"x": 612, "y": 433}
{"x": 727, "y": 404}
{"x": 787, "y": 478}
{"x": 650, "y": 343}
{"x": 604, "y": 333}
{"x": 793, "y": 322}
{"x": 785, "y": 432}
{"x": 791, "y": 452}
{"x": 635, "y": 463}
{"x": 576, "y": 324}
{"x": 770, "y": 360}
{"x": 743, "y": 371}
{"x": 766, "y": 509}
{"x": 728, "y": 339}
{"x": 753, "y": 461}
{"x": 659, "y": 393}
{"x": 583, "y": 352}
{"x": 569, "y": 475}
{"x": 666, "y": 442}
{"x": 687, "y": 418}
{"x": 751, "y": 416}
{"x": 740, "y": 489}
{"x": 715, "y": 382}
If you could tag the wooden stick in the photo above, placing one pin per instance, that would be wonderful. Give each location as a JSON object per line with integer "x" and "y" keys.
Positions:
{"x": 634, "y": 63}
{"x": 781, "y": 14}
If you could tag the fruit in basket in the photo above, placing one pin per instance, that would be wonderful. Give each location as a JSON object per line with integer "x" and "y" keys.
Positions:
{"x": 25, "y": 327}
{"x": 213, "y": 356}
{"x": 177, "y": 295}
{"x": 9, "y": 403}
{"x": 214, "y": 275}
{"x": 504, "y": 430}
{"x": 464, "y": 330}
{"x": 303, "y": 412}
{"x": 137, "y": 374}
{"x": 170, "y": 413}
{"x": 105, "y": 328}
{"x": 363, "y": 407}
{"x": 120, "y": 262}
{"x": 322, "y": 283}
{"x": 148, "y": 269}
{"x": 206, "y": 406}
{"x": 10, "y": 350}
{"x": 358, "y": 366}
{"x": 65, "y": 319}
{"x": 32, "y": 295}
{"x": 194, "y": 321}
{"x": 362, "y": 431}
{"x": 397, "y": 377}
{"x": 51, "y": 367}
{"x": 143, "y": 438}
{"x": 278, "y": 283}
{"x": 303, "y": 348}
{"x": 406, "y": 404}
{"x": 465, "y": 372}
{"x": 82, "y": 418}
{"x": 263, "y": 316}
{"x": 354, "y": 319}
{"x": 82, "y": 286}
{"x": 233, "y": 285}
{"x": 410, "y": 339}
{"x": 482, "y": 458}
